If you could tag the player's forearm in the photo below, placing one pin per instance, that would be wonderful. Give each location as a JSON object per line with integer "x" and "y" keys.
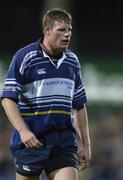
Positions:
{"x": 81, "y": 125}
{"x": 13, "y": 114}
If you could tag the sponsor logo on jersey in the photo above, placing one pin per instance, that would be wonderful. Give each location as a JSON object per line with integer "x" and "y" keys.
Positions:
{"x": 41, "y": 71}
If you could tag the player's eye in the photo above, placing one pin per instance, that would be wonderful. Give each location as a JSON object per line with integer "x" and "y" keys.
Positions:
{"x": 62, "y": 29}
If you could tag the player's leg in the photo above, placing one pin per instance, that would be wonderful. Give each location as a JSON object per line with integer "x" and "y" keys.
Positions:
{"x": 20, "y": 177}
{"x": 67, "y": 173}
{"x": 28, "y": 163}
{"x": 63, "y": 161}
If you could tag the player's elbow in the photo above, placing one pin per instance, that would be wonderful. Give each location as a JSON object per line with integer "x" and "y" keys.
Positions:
{"x": 6, "y": 101}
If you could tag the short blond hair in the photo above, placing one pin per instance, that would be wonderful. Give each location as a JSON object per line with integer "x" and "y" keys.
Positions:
{"x": 55, "y": 14}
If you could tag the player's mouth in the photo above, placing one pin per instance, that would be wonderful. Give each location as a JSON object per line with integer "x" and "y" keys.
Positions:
{"x": 66, "y": 41}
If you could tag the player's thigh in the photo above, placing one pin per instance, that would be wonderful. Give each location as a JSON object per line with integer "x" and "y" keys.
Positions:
{"x": 67, "y": 173}
{"x": 20, "y": 177}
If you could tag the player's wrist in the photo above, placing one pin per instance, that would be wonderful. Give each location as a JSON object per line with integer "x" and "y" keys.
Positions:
{"x": 86, "y": 145}
{"x": 22, "y": 129}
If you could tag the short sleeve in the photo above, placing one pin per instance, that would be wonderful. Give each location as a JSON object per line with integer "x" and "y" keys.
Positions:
{"x": 14, "y": 80}
{"x": 79, "y": 92}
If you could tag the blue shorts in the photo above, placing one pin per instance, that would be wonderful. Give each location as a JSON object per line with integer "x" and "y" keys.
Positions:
{"x": 59, "y": 151}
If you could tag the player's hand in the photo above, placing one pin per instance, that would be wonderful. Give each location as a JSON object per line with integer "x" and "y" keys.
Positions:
{"x": 29, "y": 139}
{"x": 84, "y": 157}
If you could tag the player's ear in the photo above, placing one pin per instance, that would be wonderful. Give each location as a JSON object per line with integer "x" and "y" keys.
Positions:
{"x": 46, "y": 30}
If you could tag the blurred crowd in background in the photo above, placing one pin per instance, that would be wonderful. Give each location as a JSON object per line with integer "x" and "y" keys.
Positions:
{"x": 97, "y": 40}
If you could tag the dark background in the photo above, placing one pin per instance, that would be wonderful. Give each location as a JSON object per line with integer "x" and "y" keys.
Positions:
{"x": 97, "y": 25}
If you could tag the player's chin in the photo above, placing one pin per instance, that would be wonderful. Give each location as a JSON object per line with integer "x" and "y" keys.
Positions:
{"x": 64, "y": 46}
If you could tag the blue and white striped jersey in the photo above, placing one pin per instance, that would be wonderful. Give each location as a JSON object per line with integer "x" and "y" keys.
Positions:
{"x": 46, "y": 93}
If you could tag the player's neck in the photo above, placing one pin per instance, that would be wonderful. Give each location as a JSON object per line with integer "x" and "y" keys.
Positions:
{"x": 53, "y": 53}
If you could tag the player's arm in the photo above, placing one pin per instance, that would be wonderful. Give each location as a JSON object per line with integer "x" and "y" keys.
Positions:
{"x": 14, "y": 116}
{"x": 82, "y": 127}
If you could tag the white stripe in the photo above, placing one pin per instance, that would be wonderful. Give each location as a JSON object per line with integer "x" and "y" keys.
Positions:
{"x": 45, "y": 101}
{"x": 11, "y": 82}
{"x": 79, "y": 95}
{"x": 44, "y": 61}
{"x": 10, "y": 79}
{"x": 46, "y": 98}
{"x": 26, "y": 58}
{"x": 80, "y": 90}
{"x": 57, "y": 100}
{"x": 71, "y": 54}
{"x": 75, "y": 60}
{"x": 11, "y": 88}
{"x": 81, "y": 85}
{"x": 58, "y": 105}
{"x": 38, "y": 63}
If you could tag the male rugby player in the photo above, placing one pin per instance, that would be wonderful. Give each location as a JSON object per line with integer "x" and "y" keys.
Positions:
{"x": 42, "y": 91}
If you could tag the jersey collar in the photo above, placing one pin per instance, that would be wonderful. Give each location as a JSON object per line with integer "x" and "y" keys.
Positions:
{"x": 59, "y": 61}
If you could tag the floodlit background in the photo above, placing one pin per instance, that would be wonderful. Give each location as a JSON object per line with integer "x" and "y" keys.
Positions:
{"x": 98, "y": 41}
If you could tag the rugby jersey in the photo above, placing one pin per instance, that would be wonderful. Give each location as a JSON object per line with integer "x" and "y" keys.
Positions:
{"x": 46, "y": 93}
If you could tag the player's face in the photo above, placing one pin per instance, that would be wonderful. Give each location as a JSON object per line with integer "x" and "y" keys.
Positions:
{"x": 60, "y": 34}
